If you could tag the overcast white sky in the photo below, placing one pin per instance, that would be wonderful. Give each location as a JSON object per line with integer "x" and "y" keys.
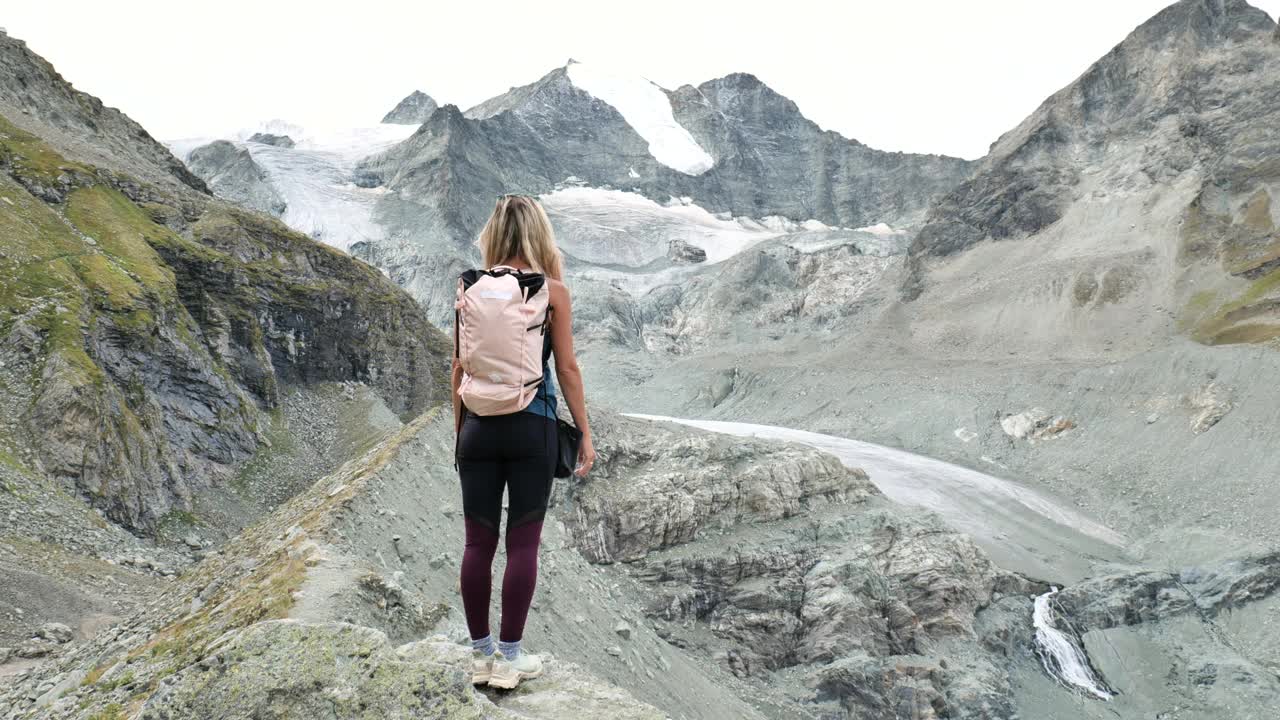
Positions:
{"x": 920, "y": 76}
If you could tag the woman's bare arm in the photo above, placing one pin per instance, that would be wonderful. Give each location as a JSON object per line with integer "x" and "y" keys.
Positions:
{"x": 454, "y": 382}
{"x": 568, "y": 372}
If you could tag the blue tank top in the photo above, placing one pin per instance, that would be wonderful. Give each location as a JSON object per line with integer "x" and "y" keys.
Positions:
{"x": 544, "y": 401}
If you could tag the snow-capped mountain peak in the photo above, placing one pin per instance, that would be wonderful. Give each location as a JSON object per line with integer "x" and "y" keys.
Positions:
{"x": 647, "y": 109}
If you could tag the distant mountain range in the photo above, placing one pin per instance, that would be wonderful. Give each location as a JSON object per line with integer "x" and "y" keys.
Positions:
{"x": 1167, "y": 126}
{"x": 731, "y": 146}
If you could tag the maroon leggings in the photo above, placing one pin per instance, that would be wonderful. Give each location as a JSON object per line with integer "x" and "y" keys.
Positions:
{"x": 497, "y": 453}
{"x": 517, "y": 582}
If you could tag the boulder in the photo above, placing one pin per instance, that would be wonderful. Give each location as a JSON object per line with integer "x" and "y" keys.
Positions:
{"x": 679, "y": 251}
{"x": 55, "y": 632}
{"x": 1035, "y": 424}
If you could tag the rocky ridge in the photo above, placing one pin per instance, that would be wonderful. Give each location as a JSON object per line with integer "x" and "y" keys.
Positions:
{"x": 37, "y": 99}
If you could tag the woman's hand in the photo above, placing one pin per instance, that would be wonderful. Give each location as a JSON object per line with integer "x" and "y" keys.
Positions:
{"x": 586, "y": 456}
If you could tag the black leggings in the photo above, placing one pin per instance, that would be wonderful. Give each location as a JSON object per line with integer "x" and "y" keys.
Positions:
{"x": 513, "y": 452}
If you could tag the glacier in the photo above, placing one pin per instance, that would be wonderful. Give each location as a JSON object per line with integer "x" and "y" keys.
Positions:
{"x": 647, "y": 109}
{"x": 315, "y": 176}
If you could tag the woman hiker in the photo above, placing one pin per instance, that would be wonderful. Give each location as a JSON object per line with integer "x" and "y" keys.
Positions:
{"x": 512, "y": 315}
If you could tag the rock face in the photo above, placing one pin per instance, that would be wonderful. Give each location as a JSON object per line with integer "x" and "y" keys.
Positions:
{"x": 147, "y": 326}
{"x": 413, "y": 110}
{"x": 1191, "y": 625}
{"x": 771, "y": 160}
{"x": 780, "y": 286}
{"x": 793, "y": 563}
{"x": 233, "y": 175}
{"x": 660, "y": 499}
{"x": 1170, "y": 133}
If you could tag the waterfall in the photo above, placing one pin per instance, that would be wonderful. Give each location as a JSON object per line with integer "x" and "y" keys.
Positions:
{"x": 1062, "y": 653}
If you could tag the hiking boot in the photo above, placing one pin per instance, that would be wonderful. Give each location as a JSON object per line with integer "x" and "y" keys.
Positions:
{"x": 481, "y": 667}
{"x": 507, "y": 674}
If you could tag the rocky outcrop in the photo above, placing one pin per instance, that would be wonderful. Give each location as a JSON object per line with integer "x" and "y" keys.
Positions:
{"x": 775, "y": 287}
{"x": 680, "y": 251}
{"x": 876, "y": 609}
{"x": 800, "y": 597}
{"x": 233, "y": 175}
{"x": 414, "y": 109}
{"x": 296, "y": 670}
{"x": 1131, "y": 598}
{"x": 648, "y": 496}
{"x": 303, "y": 670}
{"x": 281, "y": 141}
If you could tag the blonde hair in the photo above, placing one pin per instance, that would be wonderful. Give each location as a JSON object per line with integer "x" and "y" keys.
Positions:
{"x": 519, "y": 227}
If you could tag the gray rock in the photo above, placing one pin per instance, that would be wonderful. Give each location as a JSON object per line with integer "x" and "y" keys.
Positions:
{"x": 283, "y": 141}
{"x": 613, "y": 651}
{"x": 623, "y": 630}
{"x": 1128, "y": 128}
{"x": 771, "y": 160}
{"x": 293, "y": 670}
{"x": 1208, "y": 406}
{"x": 1035, "y": 424}
{"x": 35, "y": 649}
{"x": 682, "y": 252}
{"x": 55, "y": 632}
{"x": 649, "y": 496}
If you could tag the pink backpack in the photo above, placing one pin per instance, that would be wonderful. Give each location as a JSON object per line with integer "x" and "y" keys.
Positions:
{"x": 500, "y": 324}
